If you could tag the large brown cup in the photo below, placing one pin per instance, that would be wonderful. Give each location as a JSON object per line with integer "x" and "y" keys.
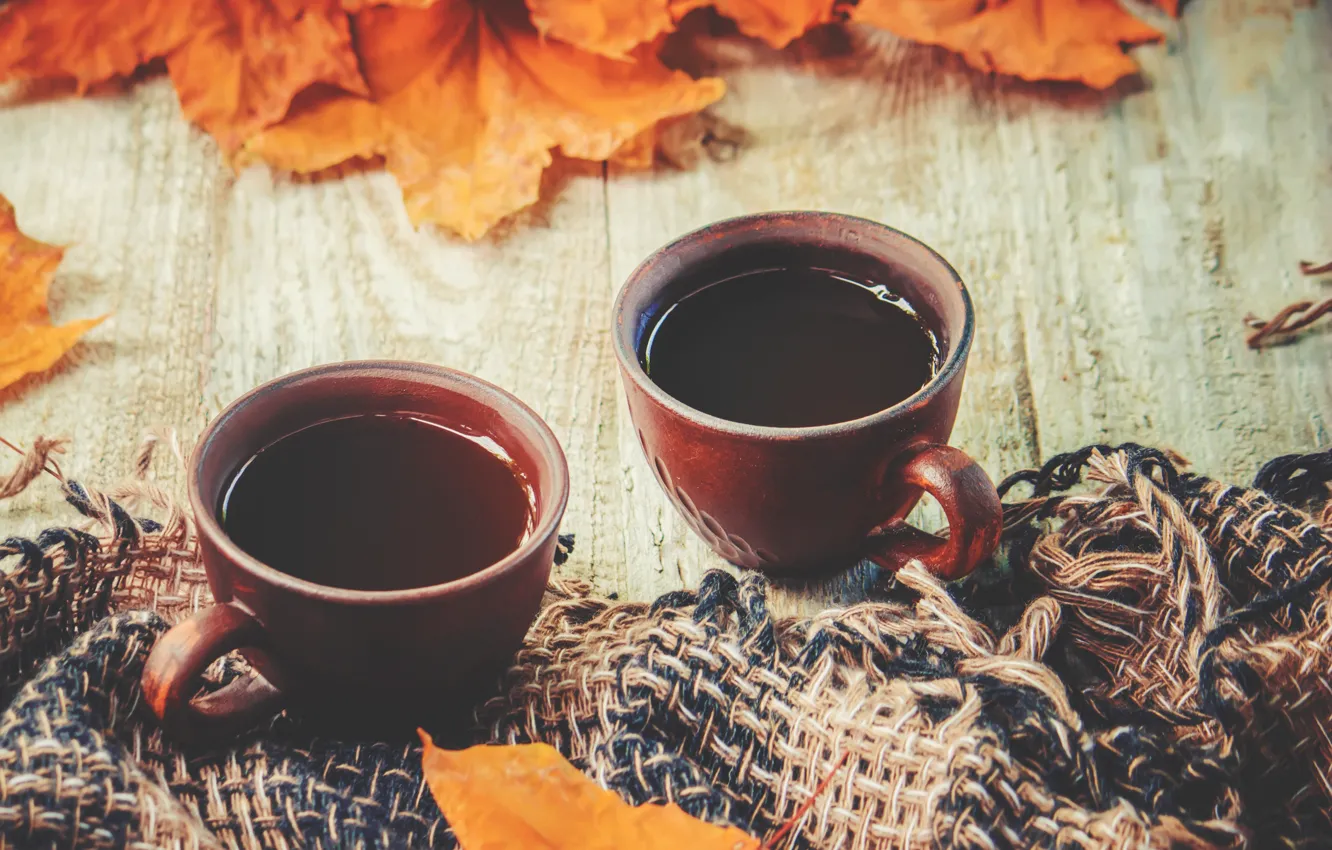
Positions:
{"x": 797, "y": 500}
{"x": 353, "y": 659}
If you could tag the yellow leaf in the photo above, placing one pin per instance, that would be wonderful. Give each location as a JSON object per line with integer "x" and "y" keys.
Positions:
{"x": 28, "y": 340}
{"x": 1078, "y": 40}
{"x": 528, "y": 796}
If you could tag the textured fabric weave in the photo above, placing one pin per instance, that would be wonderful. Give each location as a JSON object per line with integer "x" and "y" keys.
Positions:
{"x": 1146, "y": 664}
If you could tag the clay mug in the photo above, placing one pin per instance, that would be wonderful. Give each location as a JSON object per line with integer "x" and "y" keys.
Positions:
{"x": 355, "y": 659}
{"x": 798, "y": 500}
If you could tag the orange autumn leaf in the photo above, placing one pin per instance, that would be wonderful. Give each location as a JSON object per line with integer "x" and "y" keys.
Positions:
{"x": 28, "y": 340}
{"x": 362, "y": 5}
{"x": 639, "y": 152}
{"x": 465, "y": 100}
{"x": 468, "y": 103}
{"x": 609, "y": 27}
{"x": 247, "y": 59}
{"x": 778, "y": 22}
{"x": 1079, "y": 40}
{"x": 528, "y": 796}
{"x": 236, "y": 64}
{"x": 1034, "y": 39}
{"x": 89, "y": 42}
{"x": 325, "y": 127}
{"x": 614, "y": 27}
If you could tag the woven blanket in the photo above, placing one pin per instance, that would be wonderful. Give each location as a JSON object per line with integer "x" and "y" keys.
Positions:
{"x": 1145, "y": 664}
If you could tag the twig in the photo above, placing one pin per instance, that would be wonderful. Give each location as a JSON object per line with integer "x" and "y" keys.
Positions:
{"x": 35, "y": 461}
{"x": 805, "y": 806}
{"x": 1293, "y": 317}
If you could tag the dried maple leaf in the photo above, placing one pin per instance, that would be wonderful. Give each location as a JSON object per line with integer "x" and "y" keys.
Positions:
{"x": 778, "y": 22}
{"x": 614, "y": 27}
{"x": 640, "y": 152}
{"x": 247, "y": 59}
{"x": 466, "y": 99}
{"x": 1078, "y": 40}
{"x": 324, "y": 128}
{"x": 236, "y": 64}
{"x": 28, "y": 340}
{"x": 468, "y": 102}
{"x": 609, "y": 27}
{"x": 362, "y": 5}
{"x": 88, "y": 42}
{"x": 529, "y": 796}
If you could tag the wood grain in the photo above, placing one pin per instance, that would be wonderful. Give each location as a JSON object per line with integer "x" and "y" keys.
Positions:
{"x": 1112, "y": 243}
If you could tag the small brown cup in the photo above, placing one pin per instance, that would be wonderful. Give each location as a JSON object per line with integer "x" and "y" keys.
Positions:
{"x": 796, "y": 500}
{"x": 353, "y": 659}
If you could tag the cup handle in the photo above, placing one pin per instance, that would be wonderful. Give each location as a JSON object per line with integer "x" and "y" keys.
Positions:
{"x": 176, "y": 665}
{"x": 969, "y": 500}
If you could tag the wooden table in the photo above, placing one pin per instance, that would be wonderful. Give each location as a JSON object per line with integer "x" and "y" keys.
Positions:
{"x": 1112, "y": 244}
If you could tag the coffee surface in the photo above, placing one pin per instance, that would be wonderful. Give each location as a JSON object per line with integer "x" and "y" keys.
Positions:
{"x": 790, "y": 347}
{"x": 378, "y": 502}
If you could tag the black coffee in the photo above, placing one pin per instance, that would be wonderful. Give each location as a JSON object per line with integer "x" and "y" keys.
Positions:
{"x": 790, "y": 347}
{"x": 378, "y": 502}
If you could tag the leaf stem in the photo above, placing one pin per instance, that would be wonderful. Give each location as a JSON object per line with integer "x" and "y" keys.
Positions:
{"x": 771, "y": 843}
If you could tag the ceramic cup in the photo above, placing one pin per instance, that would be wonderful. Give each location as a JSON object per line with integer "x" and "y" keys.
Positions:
{"x": 353, "y": 658}
{"x": 798, "y": 500}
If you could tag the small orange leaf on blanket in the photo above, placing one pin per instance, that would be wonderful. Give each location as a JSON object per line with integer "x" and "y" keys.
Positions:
{"x": 529, "y": 796}
{"x": 28, "y": 340}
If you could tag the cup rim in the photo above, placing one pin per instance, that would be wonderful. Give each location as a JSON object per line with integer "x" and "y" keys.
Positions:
{"x": 628, "y": 357}
{"x": 483, "y": 392}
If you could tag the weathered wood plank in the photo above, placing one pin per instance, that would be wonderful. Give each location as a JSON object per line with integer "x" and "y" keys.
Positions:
{"x": 1112, "y": 244}
{"x": 1155, "y": 223}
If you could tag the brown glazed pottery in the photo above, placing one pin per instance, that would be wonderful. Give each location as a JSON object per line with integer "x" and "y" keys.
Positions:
{"x": 353, "y": 658}
{"x": 796, "y": 500}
